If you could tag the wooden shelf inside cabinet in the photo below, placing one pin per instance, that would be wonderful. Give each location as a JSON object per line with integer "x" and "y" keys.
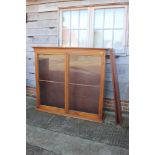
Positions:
{"x": 70, "y": 81}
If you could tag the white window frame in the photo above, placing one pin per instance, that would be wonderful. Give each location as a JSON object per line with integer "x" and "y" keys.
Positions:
{"x": 91, "y": 10}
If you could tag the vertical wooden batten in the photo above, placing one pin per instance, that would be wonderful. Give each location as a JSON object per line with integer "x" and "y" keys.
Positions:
{"x": 118, "y": 114}
{"x": 37, "y": 80}
{"x": 66, "y": 71}
{"x": 102, "y": 78}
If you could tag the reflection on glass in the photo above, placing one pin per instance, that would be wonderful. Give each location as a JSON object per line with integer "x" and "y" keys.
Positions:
{"x": 99, "y": 15}
{"x": 65, "y": 44}
{"x": 84, "y": 76}
{"x": 66, "y": 19}
{"x": 83, "y": 38}
{"x": 119, "y": 18}
{"x": 80, "y": 99}
{"x": 51, "y": 67}
{"x": 98, "y": 38}
{"x": 108, "y": 23}
{"x": 107, "y": 38}
{"x": 118, "y": 37}
{"x": 74, "y": 38}
{"x": 74, "y": 19}
{"x": 83, "y": 19}
{"x": 66, "y": 38}
{"x": 52, "y": 94}
{"x": 85, "y": 69}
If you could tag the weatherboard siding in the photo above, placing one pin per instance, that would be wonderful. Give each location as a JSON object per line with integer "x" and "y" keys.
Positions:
{"x": 42, "y": 30}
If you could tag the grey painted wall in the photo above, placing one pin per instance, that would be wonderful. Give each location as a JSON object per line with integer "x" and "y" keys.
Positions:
{"x": 42, "y": 30}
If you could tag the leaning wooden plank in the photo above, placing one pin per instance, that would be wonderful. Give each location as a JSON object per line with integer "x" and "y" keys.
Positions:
{"x": 41, "y": 31}
{"x": 118, "y": 114}
{"x": 55, "y": 6}
{"x": 42, "y": 24}
{"x": 41, "y": 16}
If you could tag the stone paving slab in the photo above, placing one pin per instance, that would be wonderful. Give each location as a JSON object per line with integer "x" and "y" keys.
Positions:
{"x": 101, "y": 132}
{"x": 30, "y": 102}
{"x": 35, "y": 150}
{"x": 62, "y": 144}
{"x": 49, "y": 134}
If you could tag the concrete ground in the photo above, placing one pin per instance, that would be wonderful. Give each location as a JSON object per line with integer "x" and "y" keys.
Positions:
{"x": 49, "y": 134}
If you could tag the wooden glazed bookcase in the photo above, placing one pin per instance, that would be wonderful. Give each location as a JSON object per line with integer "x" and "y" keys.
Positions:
{"x": 70, "y": 81}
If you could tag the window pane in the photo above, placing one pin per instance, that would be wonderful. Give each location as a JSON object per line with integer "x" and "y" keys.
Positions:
{"x": 118, "y": 39}
{"x": 107, "y": 38}
{"x": 74, "y": 38}
{"x": 83, "y": 19}
{"x": 119, "y": 18}
{"x": 74, "y": 19}
{"x": 98, "y": 38}
{"x": 66, "y": 19}
{"x": 99, "y": 15}
{"x": 108, "y": 23}
{"x": 83, "y": 38}
{"x": 65, "y": 37}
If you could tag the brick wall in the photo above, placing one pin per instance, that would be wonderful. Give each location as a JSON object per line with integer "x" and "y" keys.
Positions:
{"x": 108, "y": 105}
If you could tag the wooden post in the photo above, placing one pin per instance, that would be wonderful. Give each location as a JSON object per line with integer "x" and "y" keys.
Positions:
{"x": 118, "y": 114}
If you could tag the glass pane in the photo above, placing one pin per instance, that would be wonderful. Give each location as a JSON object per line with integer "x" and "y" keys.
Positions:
{"x": 66, "y": 19}
{"x": 99, "y": 15}
{"x": 84, "y": 76}
{"x": 83, "y": 19}
{"x": 66, "y": 37}
{"x": 65, "y": 44}
{"x": 74, "y": 19}
{"x": 83, "y": 38}
{"x": 52, "y": 94}
{"x": 51, "y": 67}
{"x": 107, "y": 38}
{"x": 98, "y": 38}
{"x": 85, "y": 69}
{"x": 119, "y": 18}
{"x": 83, "y": 100}
{"x": 109, "y": 17}
{"x": 74, "y": 38}
{"x": 118, "y": 39}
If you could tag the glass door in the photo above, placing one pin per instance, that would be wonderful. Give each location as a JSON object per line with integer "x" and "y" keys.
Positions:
{"x": 51, "y": 80}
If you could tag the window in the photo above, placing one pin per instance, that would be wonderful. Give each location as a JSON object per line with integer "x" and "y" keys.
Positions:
{"x": 100, "y": 27}
{"x": 75, "y": 28}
